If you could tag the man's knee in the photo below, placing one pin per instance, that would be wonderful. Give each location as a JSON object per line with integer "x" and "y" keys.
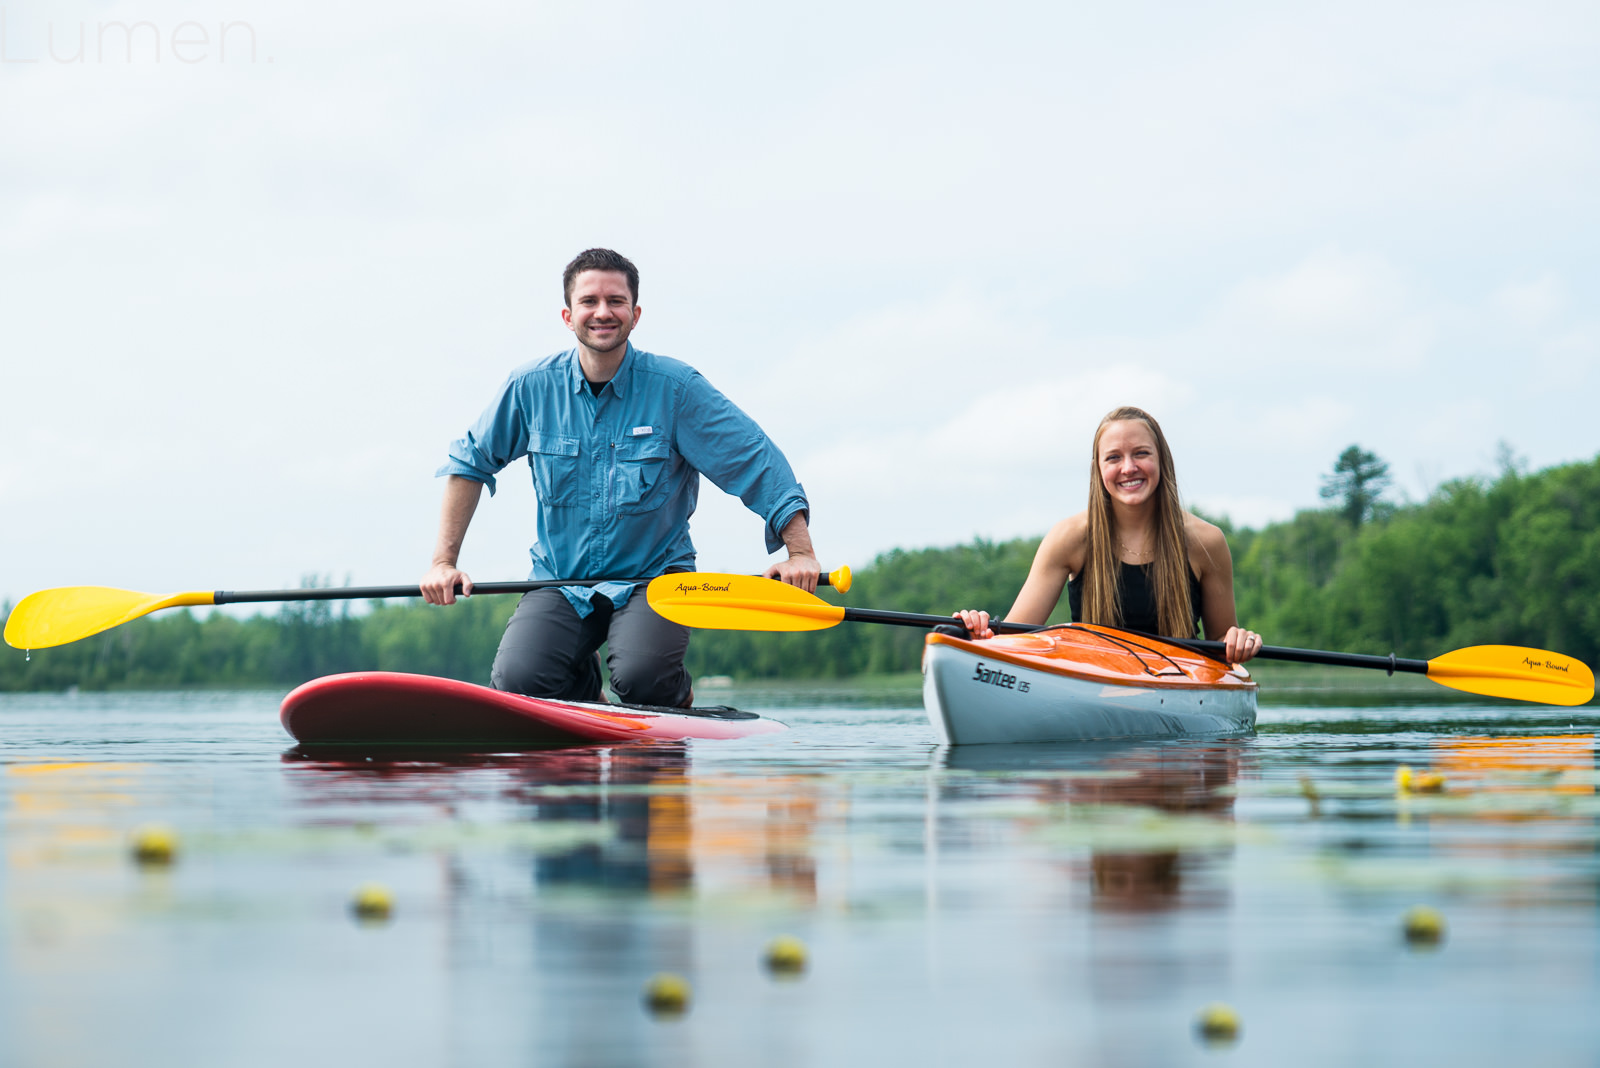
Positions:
{"x": 517, "y": 675}
{"x": 545, "y": 676}
{"x": 646, "y": 658}
{"x": 548, "y": 651}
{"x": 650, "y": 680}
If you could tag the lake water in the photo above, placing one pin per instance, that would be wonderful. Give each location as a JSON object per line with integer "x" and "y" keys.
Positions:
{"x": 978, "y": 905}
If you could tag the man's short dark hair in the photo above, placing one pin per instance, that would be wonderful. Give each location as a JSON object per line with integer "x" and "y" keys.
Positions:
{"x": 600, "y": 259}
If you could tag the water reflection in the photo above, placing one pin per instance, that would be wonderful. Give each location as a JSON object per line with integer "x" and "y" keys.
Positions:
{"x": 66, "y": 890}
{"x": 1560, "y": 763}
{"x": 1110, "y": 787}
{"x": 669, "y": 831}
{"x": 567, "y": 918}
{"x": 1182, "y": 782}
{"x": 1133, "y": 822}
{"x": 1534, "y": 797}
{"x": 55, "y": 806}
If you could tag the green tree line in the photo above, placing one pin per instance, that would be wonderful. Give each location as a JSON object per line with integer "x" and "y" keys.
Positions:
{"x": 1513, "y": 560}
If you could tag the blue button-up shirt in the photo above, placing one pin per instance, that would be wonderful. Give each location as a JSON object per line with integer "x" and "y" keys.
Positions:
{"x": 618, "y": 474}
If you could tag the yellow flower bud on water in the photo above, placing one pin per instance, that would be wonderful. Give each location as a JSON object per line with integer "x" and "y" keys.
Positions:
{"x": 667, "y": 994}
{"x": 786, "y": 955}
{"x": 372, "y": 902}
{"x": 1218, "y": 1024}
{"x": 1424, "y": 927}
{"x": 1417, "y": 782}
{"x": 155, "y": 846}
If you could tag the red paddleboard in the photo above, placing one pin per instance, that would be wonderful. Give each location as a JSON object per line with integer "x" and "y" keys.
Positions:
{"x": 390, "y": 708}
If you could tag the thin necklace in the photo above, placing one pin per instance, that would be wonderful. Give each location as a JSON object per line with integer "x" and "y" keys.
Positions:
{"x": 1134, "y": 552}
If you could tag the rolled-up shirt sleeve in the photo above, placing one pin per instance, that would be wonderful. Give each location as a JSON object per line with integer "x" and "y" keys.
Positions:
{"x": 730, "y": 449}
{"x": 498, "y": 437}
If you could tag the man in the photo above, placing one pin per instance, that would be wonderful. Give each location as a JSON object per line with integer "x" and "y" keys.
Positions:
{"x": 617, "y": 439}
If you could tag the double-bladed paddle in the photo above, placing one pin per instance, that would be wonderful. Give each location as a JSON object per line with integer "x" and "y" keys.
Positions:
{"x": 743, "y": 602}
{"x": 67, "y": 613}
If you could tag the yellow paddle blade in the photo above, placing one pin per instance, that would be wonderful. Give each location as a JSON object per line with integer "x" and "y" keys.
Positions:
{"x": 1512, "y": 671}
{"x": 739, "y": 602}
{"x": 67, "y": 613}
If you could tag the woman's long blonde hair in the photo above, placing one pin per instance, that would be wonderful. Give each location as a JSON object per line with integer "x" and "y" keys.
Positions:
{"x": 1102, "y": 570}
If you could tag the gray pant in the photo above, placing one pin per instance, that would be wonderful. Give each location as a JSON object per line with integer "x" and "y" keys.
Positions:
{"x": 547, "y": 651}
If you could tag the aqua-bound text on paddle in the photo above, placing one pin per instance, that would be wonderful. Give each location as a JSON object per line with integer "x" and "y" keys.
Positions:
{"x": 704, "y": 587}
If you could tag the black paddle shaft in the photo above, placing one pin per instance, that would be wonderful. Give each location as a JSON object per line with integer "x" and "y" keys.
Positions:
{"x": 375, "y": 593}
{"x": 1390, "y": 663}
{"x": 1213, "y": 649}
{"x": 917, "y": 619}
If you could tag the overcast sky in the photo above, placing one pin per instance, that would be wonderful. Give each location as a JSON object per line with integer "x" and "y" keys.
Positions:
{"x": 251, "y": 287}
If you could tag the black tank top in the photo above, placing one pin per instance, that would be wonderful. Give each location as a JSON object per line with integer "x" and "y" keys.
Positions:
{"x": 1138, "y": 599}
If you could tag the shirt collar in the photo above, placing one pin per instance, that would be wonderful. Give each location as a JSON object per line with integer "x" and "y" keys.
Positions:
{"x": 619, "y": 381}
{"x": 624, "y": 376}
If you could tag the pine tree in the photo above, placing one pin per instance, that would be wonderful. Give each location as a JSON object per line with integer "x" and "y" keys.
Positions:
{"x": 1358, "y": 481}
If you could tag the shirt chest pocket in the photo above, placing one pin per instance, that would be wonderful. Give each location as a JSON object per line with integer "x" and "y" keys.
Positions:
{"x": 642, "y": 467}
{"x": 555, "y": 468}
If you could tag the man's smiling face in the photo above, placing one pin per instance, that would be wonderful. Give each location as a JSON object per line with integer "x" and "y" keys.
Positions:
{"x": 602, "y": 312}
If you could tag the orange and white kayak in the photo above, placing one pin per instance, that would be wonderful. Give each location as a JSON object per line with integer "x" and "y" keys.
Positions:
{"x": 1079, "y": 682}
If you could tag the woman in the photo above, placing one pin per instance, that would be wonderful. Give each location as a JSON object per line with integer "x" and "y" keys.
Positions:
{"x": 1135, "y": 560}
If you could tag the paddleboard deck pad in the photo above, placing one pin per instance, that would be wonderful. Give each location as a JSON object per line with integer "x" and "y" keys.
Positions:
{"x": 393, "y": 708}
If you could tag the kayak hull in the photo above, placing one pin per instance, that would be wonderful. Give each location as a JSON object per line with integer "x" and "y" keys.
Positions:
{"x": 1079, "y": 684}
{"x": 393, "y": 708}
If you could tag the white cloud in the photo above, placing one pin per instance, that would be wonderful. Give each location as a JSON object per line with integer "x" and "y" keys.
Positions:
{"x": 1302, "y": 421}
{"x": 1334, "y": 309}
{"x": 1569, "y": 359}
{"x": 1331, "y": 293}
{"x": 1530, "y": 304}
{"x": 1244, "y": 510}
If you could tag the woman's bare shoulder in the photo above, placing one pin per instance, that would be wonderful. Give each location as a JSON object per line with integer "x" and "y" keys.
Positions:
{"x": 1073, "y": 526}
{"x": 1205, "y": 537}
{"x": 1064, "y": 545}
{"x": 1196, "y": 527}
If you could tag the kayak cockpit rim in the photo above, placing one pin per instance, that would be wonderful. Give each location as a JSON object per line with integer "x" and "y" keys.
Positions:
{"x": 1164, "y": 665}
